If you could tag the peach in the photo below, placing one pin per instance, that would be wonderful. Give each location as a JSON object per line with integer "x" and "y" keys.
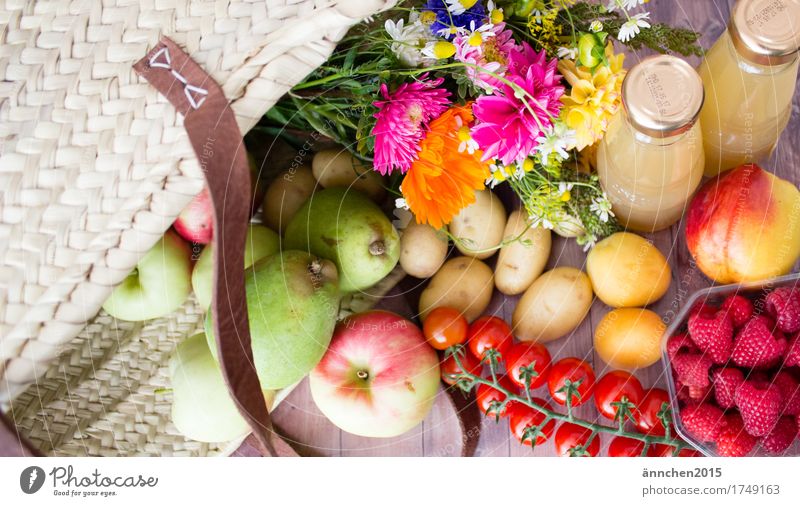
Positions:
{"x": 744, "y": 226}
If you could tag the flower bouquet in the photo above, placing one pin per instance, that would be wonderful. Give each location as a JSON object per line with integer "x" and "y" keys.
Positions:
{"x": 447, "y": 97}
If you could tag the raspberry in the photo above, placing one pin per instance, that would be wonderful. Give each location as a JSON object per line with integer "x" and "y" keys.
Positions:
{"x": 691, "y": 370}
{"x": 760, "y": 407}
{"x": 783, "y": 304}
{"x": 790, "y": 391}
{"x": 702, "y": 421}
{"x": 781, "y": 437}
{"x": 755, "y": 345}
{"x": 733, "y": 440}
{"x": 679, "y": 343}
{"x": 793, "y": 353}
{"x": 726, "y": 381}
{"x": 739, "y": 308}
{"x": 713, "y": 334}
{"x": 702, "y": 308}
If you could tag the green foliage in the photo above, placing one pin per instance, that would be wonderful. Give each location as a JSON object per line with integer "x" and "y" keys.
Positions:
{"x": 659, "y": 37}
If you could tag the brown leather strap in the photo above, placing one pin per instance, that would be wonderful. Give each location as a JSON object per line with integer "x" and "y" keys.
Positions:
{"x": 469, "y": 419}
{"x": 217, "y": 142}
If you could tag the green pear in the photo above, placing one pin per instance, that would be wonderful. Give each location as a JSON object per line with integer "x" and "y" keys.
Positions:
{"x": 202, "y": 409}
{"x": 349, "y": 229}
{"x": 292, "y": 305}
{"x": 261, "y": 243}
{"x": 157, "y": 286}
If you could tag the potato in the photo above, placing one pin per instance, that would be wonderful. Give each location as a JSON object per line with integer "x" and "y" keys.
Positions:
{"x": 422, "y": 249}
{"x": 628, "y": 271}
{"x": 553, "y": 306}
{"x": 462, "y": 283}
{"x": 479, "y": 226}
{"x": 286, "y": 195}
{"x": 522, "y": 261}
{"x": 629, "y": 338}
{"x": 337, "y": 168}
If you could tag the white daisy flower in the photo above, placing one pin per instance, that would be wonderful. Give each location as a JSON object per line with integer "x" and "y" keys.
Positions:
{"x": 567, "y": 53}
{"x": 408, "y": 39}
{"x": 438, "y": 50}
{"x": 498, "y": 173}
{"x": 633, "y": 26}
{"x": 564, "y": 188}
{"x": 624, "y": 4}
{"x": 596, "y": 26}
{"x": 495, "y": 13}
{"x": 475, "y": 37}
{"x": 458, "y": 7}
{"x": 556, "y": 139}
{"x": 602, "y": 208}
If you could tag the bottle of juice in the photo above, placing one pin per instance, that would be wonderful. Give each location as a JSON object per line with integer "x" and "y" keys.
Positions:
{"x": 650, "y": 160}
{"x": 749, "y": 76}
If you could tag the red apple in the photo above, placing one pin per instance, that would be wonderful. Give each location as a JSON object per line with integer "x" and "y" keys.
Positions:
{"x": 195, "y": 223}
{"x": 379, "y": 377}
{"x": 744, "y": 226}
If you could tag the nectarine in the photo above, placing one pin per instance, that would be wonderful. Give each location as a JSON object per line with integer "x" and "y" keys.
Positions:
{"x": 744, "y": 226}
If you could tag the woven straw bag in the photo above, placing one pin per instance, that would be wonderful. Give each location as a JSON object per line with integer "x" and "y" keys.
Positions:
{"x": 95, "y": 164}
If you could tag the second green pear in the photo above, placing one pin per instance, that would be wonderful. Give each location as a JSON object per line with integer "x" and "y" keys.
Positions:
{"x": 347, "y": 228}
{"x": 261, "y": 243}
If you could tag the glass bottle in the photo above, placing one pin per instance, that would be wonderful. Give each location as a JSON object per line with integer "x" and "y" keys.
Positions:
{"x": 650, "y": 160}
{"x": 749, "y": 76}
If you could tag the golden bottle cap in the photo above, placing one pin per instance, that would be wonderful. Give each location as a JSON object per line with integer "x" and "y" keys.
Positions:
{"x": 766, "y": 32}
{"x": 662, "y": 96}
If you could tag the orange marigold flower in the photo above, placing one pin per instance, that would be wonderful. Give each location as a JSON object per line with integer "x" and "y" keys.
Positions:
{"x": 445, "y": 176}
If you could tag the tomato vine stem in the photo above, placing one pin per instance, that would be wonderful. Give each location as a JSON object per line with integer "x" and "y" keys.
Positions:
{"x": 596, "y": 428}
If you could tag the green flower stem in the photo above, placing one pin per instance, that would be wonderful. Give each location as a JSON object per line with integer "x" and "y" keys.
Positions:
{"x": 506, "y": 242}
{"x": 594, "y": 427}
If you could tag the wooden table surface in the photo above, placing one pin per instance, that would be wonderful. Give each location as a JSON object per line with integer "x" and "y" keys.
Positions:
{"x": 312, "y": 434}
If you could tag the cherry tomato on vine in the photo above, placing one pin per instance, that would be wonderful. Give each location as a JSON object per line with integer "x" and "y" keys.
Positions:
{"x": 522, "y": 417}
{"x": 574, "y": 370}
{"x": 523, "y": 355}
{"x": 570, "y": 436}
{"x": 486, "y": 395}
{"x": 658, "y": 450}
{"x": 489, "y": 333}
{"x": 444, "y": 327}
{"x": 451, "y": 372}
{"x": 647, "y": 420}
{"x": 622, "y": 446}
{"x": 614, "y": 387}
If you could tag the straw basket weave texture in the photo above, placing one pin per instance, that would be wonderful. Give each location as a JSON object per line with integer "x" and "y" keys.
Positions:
{"x": 94, "y": 166}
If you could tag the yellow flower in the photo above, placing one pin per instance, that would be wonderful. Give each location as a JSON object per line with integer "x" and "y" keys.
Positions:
{"x": 545, "y": 30}
{"x": 594, "y": 98}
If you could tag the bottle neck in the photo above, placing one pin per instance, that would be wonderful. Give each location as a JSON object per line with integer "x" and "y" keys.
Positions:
{"x": 747, "y": 64}
{"x": 642, "y": 138}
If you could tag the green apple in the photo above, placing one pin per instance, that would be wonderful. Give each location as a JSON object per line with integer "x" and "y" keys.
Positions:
{"x": 261, "y": 243}
{"x": 202, "y": 408}
{"x": 292, "y": 305}
{"x": 157, "y": 286}
{"x": 347, "y": 228}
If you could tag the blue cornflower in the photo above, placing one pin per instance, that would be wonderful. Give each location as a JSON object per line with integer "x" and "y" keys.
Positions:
{"x": 446, "y": 23}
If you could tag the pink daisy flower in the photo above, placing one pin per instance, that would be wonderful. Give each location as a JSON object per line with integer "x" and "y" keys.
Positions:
{"x": 491, "y": 56}
{"x": 509, "y": 123}
{"x": 401, "y": 120}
